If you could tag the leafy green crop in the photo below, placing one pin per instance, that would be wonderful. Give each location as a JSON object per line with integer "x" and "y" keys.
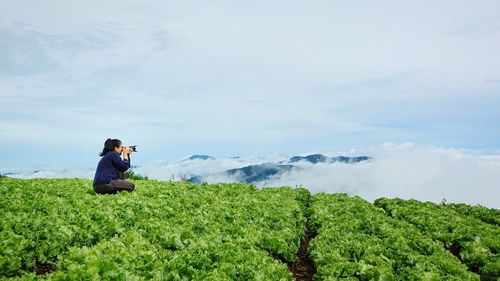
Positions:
{"x": 476, "y": 243}
{"x": 357, "y": 241}
{"x": 182, "y": 231}
{"x": 491, "y": 216}
{"x": 185, "y": 231}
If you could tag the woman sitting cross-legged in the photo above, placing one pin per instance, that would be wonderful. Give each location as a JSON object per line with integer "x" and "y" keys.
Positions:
{"x": 109, "y": 176}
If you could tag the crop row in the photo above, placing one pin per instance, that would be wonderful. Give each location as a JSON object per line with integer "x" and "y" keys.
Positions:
{"x": 358, "y": 241}
{"x": 475, "y": 243}
{"x": 488, "y": 215}
{"x": 164, "y": 231}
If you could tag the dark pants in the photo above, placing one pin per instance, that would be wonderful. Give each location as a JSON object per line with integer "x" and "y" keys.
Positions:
{"x": 114, "y": 186}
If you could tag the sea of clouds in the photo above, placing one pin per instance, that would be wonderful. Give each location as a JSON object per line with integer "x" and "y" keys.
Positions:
{"x": 406, "y": 171}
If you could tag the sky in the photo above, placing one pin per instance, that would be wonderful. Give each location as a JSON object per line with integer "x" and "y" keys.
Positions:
{"x": 229, "y": 78}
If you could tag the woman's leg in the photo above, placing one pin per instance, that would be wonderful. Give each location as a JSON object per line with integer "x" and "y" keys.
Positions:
{"x": 105, "y": 189}
{"x": 114, "y": 186}
{"x": 122, "y": 185}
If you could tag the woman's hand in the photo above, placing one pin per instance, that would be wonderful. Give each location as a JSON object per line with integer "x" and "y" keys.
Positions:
{"x": 127, "y": 150}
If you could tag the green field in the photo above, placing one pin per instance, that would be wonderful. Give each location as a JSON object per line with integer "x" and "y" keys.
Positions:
{"x": 59, "y": 229}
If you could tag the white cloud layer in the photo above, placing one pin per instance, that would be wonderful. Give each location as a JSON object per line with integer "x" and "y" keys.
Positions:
{"x": 408, "y": 171}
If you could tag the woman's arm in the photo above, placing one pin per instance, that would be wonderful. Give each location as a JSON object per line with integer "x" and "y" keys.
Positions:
{"x": 121, "y": 165}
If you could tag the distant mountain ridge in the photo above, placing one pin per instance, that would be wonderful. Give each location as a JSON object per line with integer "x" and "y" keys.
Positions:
{"x": 199, "y": 157}
{"x": 261, "y": 172}
{"x": 257, "y": 173}
{"x": 320, "y": 158}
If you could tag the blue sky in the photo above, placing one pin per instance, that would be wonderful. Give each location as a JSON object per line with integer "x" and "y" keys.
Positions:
{"x": 229, "y": 78}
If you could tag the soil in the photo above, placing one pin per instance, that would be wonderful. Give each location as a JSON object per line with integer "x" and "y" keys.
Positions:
{"x": 455, "y": 249}
{"x": 44, "y": 268}
{"x": 303, "y": 269}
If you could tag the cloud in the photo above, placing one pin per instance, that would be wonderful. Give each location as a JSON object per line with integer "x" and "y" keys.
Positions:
{"x": 165, "y": 170}
{"x": 409, "y": 171}
{"x": 59, "y": 171}
{"x": 492, "y": 80}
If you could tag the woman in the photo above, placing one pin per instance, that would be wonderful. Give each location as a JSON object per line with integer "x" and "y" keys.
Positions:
{"x": 109, "y": 177}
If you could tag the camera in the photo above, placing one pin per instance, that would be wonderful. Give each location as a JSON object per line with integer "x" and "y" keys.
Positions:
{"x": 133, "y": 147}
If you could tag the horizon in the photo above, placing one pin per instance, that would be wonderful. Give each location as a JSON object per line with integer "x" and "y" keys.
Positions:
{"x": 407, "y": 171}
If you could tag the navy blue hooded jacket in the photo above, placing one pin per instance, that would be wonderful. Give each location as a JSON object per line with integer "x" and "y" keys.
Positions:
{"x": 106, "y": 169}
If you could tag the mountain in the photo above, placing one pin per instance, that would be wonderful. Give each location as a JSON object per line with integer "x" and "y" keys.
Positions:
{"x": 199, "y": 157}
{"x": 314, "y": 158}
{"x": 320, "y": 158}
{"x": 257, "y": 173}
{"x": 261, "y": 172}
{"x": 251, "y": 173}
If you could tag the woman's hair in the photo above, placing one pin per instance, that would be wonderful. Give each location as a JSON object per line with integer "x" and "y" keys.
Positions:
{"x": 110, "y": 145}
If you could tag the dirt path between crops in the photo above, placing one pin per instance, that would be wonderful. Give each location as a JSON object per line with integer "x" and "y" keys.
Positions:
{"x": 303, "y": 269}
{"x": 44, "y": 268}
